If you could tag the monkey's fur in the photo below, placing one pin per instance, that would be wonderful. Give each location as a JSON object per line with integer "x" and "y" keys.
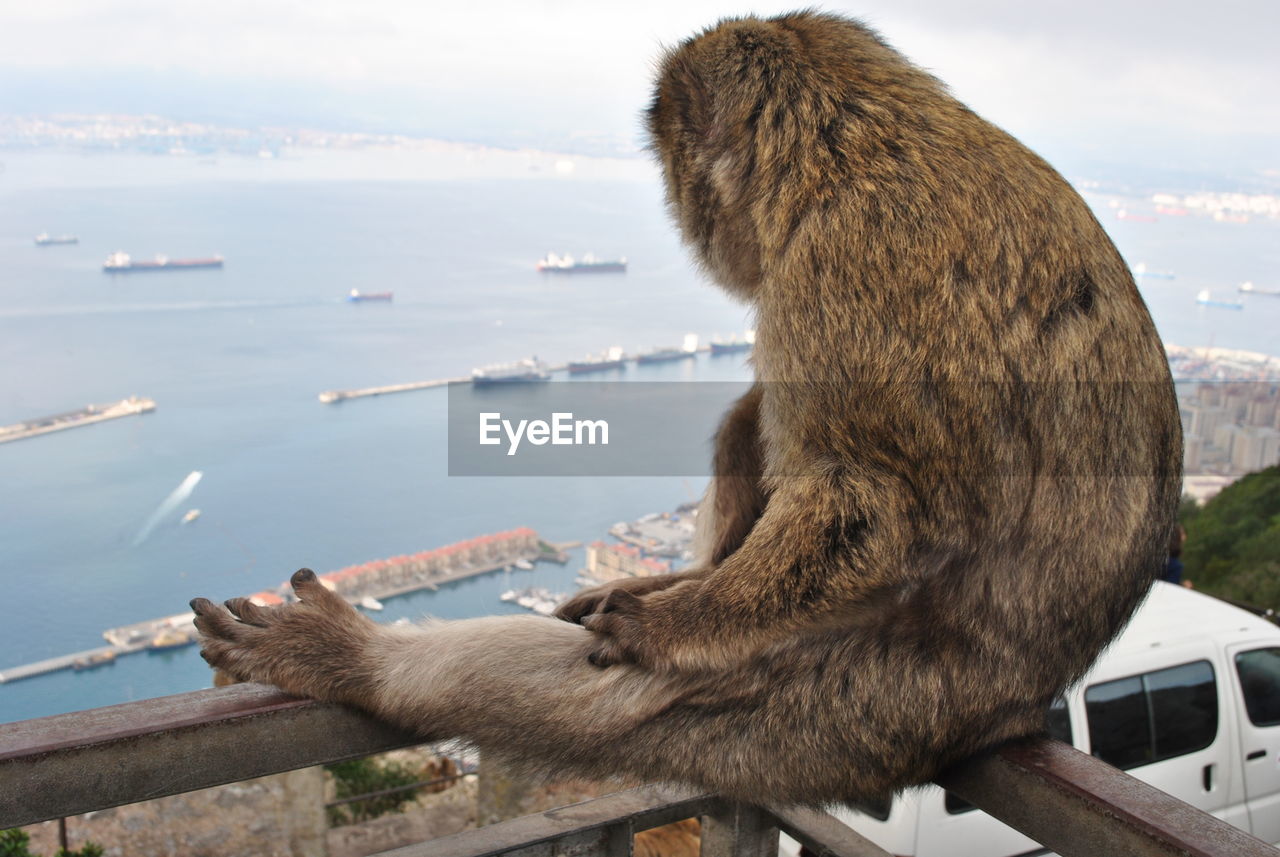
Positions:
{"x": 952, "y": 484}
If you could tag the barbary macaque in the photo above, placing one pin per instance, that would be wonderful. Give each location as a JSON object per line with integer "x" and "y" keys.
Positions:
{"x": 949, "y": 488}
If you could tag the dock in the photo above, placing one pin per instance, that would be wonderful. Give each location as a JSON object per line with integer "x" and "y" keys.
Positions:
{"x": 88, "y": 415}
{"x": 330, "y": 397}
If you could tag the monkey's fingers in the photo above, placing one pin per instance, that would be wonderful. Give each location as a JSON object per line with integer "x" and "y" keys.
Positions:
{"x": 214, "y": 621}
{"x": 313, "y": 593}
{"x": 248, "y": 612}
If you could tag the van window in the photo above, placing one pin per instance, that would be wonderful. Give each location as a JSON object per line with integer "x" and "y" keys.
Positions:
{"x": 877, "y": 808}
{"x": 1147, "y": 718}
{"x": 1057, "y": 723}
{"x": 1259, "y": 673}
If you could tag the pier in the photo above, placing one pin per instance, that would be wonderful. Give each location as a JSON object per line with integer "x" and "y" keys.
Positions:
{"x": 330, "y": 397}
{"x": 88, "y": 415}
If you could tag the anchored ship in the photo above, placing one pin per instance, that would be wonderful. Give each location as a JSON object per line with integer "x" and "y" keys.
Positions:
{"x": 611, "y": 359}
{"x": 357, "y": 296}
{"x": 44, "y": 239}
{"x": 1141, "y": 271}
{"x": 1205, "y": 299}
{"x": 529, "y": 370}
{"x": 664, "y": 355}
{"x": 1251, "y": 289}
{"x": 588, "y": 264}
{"x": 120, "y": 263}
{"x": 732, "y": 346}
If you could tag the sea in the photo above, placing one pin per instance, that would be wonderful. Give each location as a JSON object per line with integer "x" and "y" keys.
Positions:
{"x": 236, "y": 357}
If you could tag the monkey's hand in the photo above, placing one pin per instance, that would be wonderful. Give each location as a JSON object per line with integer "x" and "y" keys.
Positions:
{"x": 316, "y": 648}
{"x": 663, "y": 631}
{"x": 596, "y": 598}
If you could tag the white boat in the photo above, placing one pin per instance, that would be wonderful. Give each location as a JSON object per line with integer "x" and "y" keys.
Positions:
{"x": 523, "y": 564}
{"x": 370, "y": 603}
{"x": 191, "y": 515}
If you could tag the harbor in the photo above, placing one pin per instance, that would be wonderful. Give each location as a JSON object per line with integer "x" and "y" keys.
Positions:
{"x": 364, "y": 585}
{"x": 88, "y": 415}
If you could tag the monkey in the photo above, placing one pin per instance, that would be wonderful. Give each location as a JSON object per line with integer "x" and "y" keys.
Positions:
{"x": 948, "y": 488}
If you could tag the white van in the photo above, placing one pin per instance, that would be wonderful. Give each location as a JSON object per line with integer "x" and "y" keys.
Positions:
{"x": 1187, "y": 698}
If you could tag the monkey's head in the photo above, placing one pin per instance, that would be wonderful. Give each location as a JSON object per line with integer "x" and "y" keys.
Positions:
{"x": 753, "y": 122}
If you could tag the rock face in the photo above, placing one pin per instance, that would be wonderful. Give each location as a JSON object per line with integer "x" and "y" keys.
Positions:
{"x": 277, "y": 816}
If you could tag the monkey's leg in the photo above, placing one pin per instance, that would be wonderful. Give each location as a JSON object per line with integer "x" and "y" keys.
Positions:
{"x": 521, "y": 689}
{"x": 734, "y": 501}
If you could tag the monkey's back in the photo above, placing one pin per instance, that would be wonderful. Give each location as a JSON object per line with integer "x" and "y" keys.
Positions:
{"x": 957, "y": 367}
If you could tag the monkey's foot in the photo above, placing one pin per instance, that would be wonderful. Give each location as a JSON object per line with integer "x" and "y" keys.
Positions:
{"x": 315, "y": 648}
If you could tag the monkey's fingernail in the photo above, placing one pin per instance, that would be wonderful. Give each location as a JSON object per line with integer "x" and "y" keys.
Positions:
{"x": 198, "y": 605}
{"x": 301, "y": 576}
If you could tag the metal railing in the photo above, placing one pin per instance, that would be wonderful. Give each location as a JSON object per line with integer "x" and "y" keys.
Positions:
{"x": 69, "y": 764}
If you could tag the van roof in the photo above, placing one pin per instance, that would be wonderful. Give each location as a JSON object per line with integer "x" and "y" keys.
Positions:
{"x": 1174, "y": 613}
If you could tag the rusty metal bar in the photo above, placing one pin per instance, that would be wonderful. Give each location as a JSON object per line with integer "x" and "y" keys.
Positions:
{"x": 1079, "y": 806}
{"x": 73, "y": 763}
{"x": 824, "y": 835}
{"x": 590, "y": 827}
{"x": 739, "y": 830}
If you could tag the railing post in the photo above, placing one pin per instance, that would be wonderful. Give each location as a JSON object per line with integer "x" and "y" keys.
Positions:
{"x": 739, "y": 830}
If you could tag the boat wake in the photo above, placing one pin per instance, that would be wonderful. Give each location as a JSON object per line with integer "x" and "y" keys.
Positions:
{"x": 170, "y": 504}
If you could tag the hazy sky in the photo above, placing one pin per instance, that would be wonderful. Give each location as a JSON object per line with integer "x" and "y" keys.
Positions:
{"x": 1176, "y": 79}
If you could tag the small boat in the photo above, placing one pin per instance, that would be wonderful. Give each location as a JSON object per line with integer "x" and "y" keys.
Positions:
{"x": 523, "y": 564}
{"x": 588, "y": 264}
{"x": 44, "y": 239}
{"x": 94, "y": 660}
{"x": 370, "y": 603}
{"x": 355, "y": 296}
{"x": 191, "y": 515}
{"x": 169, "y": 640}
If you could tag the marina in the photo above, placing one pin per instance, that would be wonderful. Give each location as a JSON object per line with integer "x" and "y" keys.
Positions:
{"x": 365, "y": 585}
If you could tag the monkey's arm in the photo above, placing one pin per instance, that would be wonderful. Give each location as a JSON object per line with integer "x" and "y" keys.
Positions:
{"x": 805, "y": 559}
{"x": 734, "y": 501}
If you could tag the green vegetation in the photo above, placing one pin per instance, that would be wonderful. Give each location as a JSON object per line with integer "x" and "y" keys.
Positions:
{"x": 365, "y": 776}
{"x": 16, "y": 843}
{"x": 1233, "y": 541}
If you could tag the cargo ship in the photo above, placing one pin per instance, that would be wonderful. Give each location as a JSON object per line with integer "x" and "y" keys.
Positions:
{"x": 588, "y": 264}
{"x": 120, "y": 263}
{"x": 44, "y": 239}
{"x": 666, "y": 355}
{"x": 733, "y": 346}
{"x": 611, "y": 359}
{"x": 356, "y": 296}
{"x": 529, "y": 370}
{"x": 1251, "y": 289}
{"x": 1205, "y": 299}
{"x": 1141, "y": 271}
